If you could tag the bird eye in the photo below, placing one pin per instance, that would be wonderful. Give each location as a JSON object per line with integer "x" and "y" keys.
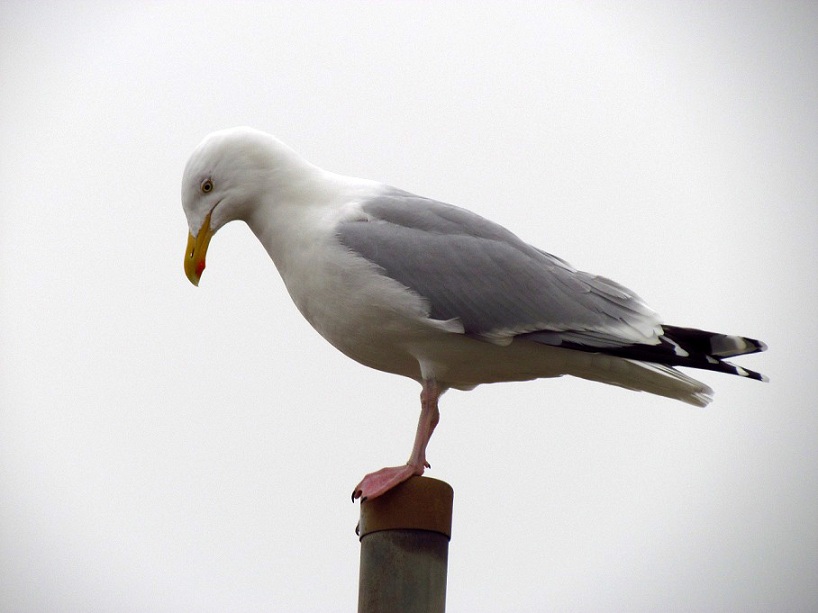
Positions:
{"x": 207, "y": 186}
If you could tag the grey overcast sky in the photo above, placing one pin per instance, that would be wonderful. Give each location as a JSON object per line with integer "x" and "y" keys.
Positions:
{"x": 167, "y": 448}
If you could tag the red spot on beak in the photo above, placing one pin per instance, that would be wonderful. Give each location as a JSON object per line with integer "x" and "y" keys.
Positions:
{"x": 200, "y": 266}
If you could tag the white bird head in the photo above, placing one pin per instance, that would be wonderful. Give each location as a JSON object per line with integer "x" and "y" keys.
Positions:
{"x": 224, "y": 179}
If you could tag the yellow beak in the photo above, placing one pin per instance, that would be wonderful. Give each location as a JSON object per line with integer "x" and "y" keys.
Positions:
{"x": 196, "y": 252}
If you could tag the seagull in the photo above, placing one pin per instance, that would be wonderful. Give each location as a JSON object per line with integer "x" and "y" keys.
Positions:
{"x": 416, "y": 287}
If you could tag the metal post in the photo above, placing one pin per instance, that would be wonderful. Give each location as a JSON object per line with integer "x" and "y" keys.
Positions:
{"x": 404, "y": 538}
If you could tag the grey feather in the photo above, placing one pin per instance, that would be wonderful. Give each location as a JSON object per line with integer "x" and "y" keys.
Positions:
{"x": 498, "y": 286}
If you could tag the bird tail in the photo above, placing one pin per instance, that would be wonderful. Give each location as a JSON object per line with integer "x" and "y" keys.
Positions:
{"x": 696, "y": 349}
{"x": 650, "y": 367}
{"x": 640, "y": 376}
{"x": 676, "y": 346}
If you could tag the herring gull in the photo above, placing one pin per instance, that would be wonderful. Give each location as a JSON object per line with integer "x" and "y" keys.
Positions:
{"x": 427, "y": 290}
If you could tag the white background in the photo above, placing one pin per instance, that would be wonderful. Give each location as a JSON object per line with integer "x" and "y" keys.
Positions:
{"x": 168, "y": 448}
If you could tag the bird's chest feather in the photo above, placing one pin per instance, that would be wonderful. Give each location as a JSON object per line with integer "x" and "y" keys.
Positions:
{"x": 353, "y": 305}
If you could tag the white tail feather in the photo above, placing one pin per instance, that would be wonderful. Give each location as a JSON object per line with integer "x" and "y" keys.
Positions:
{"x": 643, "y": 377}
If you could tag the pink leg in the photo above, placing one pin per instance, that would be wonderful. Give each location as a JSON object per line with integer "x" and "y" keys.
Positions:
{"x": 379, "y": 482}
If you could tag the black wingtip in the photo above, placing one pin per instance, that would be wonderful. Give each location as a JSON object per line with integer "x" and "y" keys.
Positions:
{"x": 713, "y": 344}
{"x": 678, "y": 346}
{"x": 743, "y": 372}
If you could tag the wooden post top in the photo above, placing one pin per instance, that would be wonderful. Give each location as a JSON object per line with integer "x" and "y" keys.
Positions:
{"x": 420, "y": 503}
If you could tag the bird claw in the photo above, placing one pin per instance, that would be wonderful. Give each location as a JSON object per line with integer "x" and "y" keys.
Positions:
{"x": 383, "y": 480}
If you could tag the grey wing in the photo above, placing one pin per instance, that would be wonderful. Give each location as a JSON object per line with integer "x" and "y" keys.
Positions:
{"x": 496, "y": 285}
